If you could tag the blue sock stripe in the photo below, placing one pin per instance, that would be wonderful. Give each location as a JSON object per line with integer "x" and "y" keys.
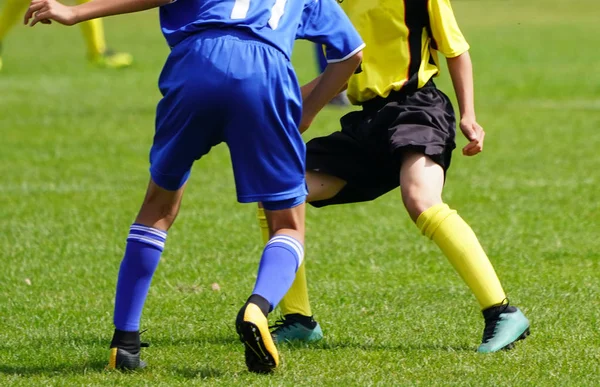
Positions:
{"x": 138, "y": 228}
{"x": 145, "y": 240}
{"x": 291, "y": 242}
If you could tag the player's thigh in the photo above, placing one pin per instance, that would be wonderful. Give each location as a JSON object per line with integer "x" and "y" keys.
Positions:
{"x": 190, "y": 116}
{"x": 322, "y": 186}
{"x": 267, "y": 150}
{"x": 359, "y": 167}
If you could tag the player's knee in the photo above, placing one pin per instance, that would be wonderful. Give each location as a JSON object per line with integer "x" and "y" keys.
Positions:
{"x": 285, "y": 214}
{"x": 416, "y": 201}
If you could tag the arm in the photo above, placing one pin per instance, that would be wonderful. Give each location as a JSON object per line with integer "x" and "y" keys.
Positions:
{"x": 321, "y": 90}
{"x": 310, "y": 86}
{"x": 461, "y": 72}
{"x": 47, "y": 10}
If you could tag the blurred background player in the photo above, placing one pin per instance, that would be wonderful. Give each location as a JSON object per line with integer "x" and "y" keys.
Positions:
{"x": 93, "y": 35}
{"x": 404, "y": 135}
{"x": 243, "y": 48}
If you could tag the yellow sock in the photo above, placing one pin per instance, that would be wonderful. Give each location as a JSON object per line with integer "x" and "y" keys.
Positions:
{"x": 460, "y": 245}
{"x": 296, "y": 299}
{"x": 264, "y": 226}
{"x": 93, "y": 35}
{"x": 12, "y": 12}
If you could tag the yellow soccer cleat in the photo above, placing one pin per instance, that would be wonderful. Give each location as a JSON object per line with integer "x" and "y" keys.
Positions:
{"x": 260, "y": 351}
{"x": 112, "y": 60}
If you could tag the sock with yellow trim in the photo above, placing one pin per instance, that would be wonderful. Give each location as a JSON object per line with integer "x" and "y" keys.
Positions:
{"x": 460, "y": 245}
{"x": 296, "y": 299}
{"x": 12, "y": 11}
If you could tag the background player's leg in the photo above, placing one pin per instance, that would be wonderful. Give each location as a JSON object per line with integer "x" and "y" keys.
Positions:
{"x": 95, "y": 41}
{"x": 421, "y": 182}
{"x": 10, "y": 13}
{"x": 145, "y": 244}
{"x": 297, "y": 322}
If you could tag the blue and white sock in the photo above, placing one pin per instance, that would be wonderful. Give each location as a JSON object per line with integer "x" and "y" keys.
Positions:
{"x": 142, "y": 254}
{"x": 280, "y": 260}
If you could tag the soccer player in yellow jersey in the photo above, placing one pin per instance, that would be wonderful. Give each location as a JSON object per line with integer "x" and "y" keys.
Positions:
{"x": 404, "y": 136}
{"x": 93, "y": 34}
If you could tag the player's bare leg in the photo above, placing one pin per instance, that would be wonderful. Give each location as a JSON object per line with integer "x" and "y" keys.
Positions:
{"x": 421, "y": 182}
{"x": 281, "y": 259}
{"x": 322, "y": 186}
{"x": 145, "y": 244}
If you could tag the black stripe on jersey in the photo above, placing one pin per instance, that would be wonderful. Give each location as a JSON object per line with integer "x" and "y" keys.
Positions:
{"x": 416, "y": 18}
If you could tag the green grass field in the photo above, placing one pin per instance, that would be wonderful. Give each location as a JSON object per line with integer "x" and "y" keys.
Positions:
{"x": 73, "y": 168}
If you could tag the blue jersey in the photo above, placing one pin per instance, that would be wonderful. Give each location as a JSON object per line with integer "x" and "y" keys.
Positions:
{"x": 276, "y": 22}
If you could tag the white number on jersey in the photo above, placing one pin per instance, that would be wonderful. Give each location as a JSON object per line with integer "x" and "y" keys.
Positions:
{"x": 241, "y": 7}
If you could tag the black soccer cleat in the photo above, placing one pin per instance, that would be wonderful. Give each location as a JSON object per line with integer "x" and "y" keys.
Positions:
{"x": 121, "y": 359}
{"x": 125, "y": 350}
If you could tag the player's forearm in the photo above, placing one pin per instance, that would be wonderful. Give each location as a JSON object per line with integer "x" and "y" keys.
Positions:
{"x": 461, "y": 72}
{"x": 329, "y": 84}
{"x": 309, "y": 87}
{"x": 101, "y": 8}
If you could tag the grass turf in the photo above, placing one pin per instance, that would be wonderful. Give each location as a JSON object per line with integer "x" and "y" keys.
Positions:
{"x": 73, "y": 162}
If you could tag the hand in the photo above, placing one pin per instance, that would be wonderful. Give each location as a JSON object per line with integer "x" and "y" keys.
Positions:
{"x": 44, "y": 11}
{"x": 474, "y": 133}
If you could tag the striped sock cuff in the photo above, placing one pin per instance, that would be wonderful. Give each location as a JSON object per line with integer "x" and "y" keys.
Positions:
{"x": 290, "y": 243}
{"x": 147, "y": 235}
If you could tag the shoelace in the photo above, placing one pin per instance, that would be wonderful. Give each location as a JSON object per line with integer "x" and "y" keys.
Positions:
{"x": 281, "y": 323}
{"x": 490, "y": 325}
{"x": 142, "y": 343}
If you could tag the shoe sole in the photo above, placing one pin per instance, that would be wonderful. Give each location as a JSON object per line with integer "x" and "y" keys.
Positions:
{"x": 523, "y": 336}
{"x": 258, "y": 358}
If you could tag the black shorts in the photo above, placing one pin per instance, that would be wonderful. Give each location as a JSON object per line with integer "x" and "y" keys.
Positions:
{"x": 368, "y": 151}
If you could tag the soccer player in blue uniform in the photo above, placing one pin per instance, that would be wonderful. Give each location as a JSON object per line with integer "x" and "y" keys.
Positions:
{"x": 228, "y": 79}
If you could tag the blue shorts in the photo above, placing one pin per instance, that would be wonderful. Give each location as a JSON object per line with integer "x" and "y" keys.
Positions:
{"x": 225, "y": 86}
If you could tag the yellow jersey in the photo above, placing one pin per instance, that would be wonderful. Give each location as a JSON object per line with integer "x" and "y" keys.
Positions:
{"x": 402, "y": 37}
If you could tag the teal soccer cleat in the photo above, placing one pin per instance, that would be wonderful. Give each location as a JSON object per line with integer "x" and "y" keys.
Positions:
{"x": 296, "y": 327}
{"x": 504, "y": 325}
